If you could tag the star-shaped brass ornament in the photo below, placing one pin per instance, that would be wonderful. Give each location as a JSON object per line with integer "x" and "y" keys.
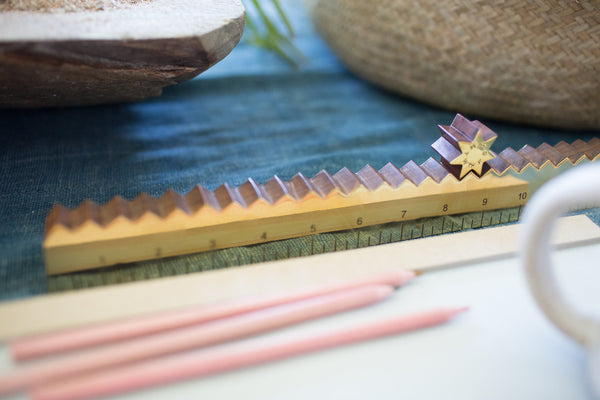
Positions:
{"x": 474, "y": 154}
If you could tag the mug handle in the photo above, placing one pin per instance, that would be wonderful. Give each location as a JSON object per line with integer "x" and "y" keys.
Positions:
{"x": 579, "y": 186}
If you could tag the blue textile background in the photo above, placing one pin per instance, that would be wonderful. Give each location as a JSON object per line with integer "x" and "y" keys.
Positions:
{"x": 250, "y": 116}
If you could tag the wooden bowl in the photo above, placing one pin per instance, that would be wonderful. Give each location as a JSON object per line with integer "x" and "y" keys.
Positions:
{"x": 59, "y": 58}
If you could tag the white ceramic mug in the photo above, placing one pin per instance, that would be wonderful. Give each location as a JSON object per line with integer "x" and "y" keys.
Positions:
{"x": 581, "y": 185}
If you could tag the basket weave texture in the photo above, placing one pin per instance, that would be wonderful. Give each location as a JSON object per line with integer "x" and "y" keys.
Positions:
{"x": 526, "y": 61}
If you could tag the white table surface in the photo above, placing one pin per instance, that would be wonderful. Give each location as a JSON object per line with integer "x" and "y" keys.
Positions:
{"x": 502, "y": 348}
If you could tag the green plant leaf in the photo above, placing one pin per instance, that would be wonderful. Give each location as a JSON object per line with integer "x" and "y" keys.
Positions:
{"x": 264, "y": 33}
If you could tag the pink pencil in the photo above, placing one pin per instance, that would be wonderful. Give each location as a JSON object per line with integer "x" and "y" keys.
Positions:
{"x": 228, "y": 357}
{"x": 194, "y": 337}
{"x": 56, "y": 342}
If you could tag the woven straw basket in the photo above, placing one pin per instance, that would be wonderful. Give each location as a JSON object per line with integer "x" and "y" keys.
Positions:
{"x": 526, "y": 61}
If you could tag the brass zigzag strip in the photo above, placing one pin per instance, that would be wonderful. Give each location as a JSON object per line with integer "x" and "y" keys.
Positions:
{"x": 322, "y": 184}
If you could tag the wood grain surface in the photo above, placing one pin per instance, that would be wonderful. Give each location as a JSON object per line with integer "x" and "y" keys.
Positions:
{"x": 91, "y": 57}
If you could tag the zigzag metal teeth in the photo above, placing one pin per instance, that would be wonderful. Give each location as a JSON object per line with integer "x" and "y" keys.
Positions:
{"x": 392, "y": 175}
{"x": 544, "y": 154}
{"x": 435, "y": 170}
{"x": 370, "y": 177}
{"x": 275, "y": 188}
{"x": 413, "y": 173}
{"x": 322, "y": 185}
{"x": 347, "y": 181}
{"x": 551, "y": 154}
{"x": 200, "y": 197}
{"x": 301, "y": 186}
{"x": 514, "y": 159}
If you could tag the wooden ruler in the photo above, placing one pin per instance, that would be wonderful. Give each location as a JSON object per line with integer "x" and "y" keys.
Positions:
{"x": 469, "y": 177}
{"x": 302, "y": 246}
{"x": 155, "y": 237}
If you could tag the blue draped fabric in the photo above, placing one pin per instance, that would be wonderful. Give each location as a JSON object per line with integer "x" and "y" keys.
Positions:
{"x": 252, "y": 115}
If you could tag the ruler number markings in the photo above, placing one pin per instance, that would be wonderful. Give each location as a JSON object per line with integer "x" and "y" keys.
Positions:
{"x": 523, "y": 196}
{"x": 359, "y": 221}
